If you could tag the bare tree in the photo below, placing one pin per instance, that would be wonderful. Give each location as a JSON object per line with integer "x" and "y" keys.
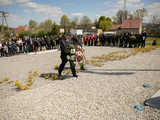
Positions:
{"x": 74, "y": 22}
{"x": 140, "y": 13}
{"x": 130, "y": 16}
{"x": 96, "y": 23}
{"x": 153, "y": 28}
{"x": 32, "y": 23}
{"x": 85, "y": 22}
{"x": 65, "y": 23}
{"x": 120, "y": 16}
{"x": 155, "y": 20}
{"x": 48, "y": 25}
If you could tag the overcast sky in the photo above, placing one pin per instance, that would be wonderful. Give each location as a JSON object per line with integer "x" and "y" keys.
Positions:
{"x": 21, "y": 11}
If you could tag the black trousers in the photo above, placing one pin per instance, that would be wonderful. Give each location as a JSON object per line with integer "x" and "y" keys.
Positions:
{"x": 62, "y": 65}
{"x": 143, "y": 43}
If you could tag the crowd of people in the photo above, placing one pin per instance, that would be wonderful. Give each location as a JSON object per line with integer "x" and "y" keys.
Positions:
{"x": 71, "y": 46}
{"x": 28, "y": 44}
{"x": 120, "y": 40}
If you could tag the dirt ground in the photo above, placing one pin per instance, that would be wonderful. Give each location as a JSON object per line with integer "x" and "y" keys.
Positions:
{"x": 100, "y": 93}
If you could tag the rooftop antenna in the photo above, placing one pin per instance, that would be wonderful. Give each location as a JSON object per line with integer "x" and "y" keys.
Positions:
{"x": 3, "y": 16}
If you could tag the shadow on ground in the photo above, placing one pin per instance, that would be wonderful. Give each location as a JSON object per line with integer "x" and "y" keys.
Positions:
{"x": 53, "y": 76}
{"x": 143, "y": 70}
{"x": 109, "y": 73}
{"x": 101, "y": 71}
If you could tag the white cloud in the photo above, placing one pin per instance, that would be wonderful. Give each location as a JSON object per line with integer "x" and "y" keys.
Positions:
{"x": 77, "y": 14}
{"x": 31, "y": 4}
{"x": 40, "y": 10}
{"x": 68, "y": 4}
{"x": 22, "y": 1}
{"x": 130, "y": 4}
{"x": 153, "y": 5}
{"x": 134, "y": 1}
{"x": 108, "y": 3}
{"x": 112, "y": 11}
{"x": 5, "y": 2}
{"x": 154, "y": 9}
{"x": 27, "y": 11}
{"x": 14, "y": 17}
{"x": 51, "y": 11}
{"x": 15, "y": 20}
{"x": 135, "y": 6}
{"x": 147, "y": 19}
{"x": 117, "y": 5}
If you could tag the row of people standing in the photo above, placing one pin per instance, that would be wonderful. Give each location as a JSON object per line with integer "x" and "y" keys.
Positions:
{"x": 27, "y": 44}
{"x": 9, "y": 48}
{"x": 121, "y": 40}
{"x": 90, "y": 40}
{"x": 40, "y": 43}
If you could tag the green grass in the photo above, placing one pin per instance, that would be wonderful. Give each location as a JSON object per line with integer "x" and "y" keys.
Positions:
{"x": 150, "y": 44}
{"x": 153, "y": 38}
{"x": 157, "y": 39}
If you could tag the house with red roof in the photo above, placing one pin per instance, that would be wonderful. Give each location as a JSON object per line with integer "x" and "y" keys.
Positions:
{"x": 19, "y": 29}
{"x": 133, "y": 26}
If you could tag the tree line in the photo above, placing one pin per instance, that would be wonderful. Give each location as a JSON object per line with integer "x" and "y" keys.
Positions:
{"x": 103, "y": 22}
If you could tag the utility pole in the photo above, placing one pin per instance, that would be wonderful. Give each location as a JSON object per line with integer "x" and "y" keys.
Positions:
{"x": 124, "y": 9}
{"x": 3, "y": 16}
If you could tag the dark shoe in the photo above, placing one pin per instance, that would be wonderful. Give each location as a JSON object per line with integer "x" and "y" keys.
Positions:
{"x": 82, "y": 69}
{"x": 75, "y": 76}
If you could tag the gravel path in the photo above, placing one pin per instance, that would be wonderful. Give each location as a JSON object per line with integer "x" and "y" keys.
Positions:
{"x": 100, "y": 93}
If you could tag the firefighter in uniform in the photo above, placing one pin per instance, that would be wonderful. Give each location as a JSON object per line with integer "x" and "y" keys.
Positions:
{"x": 66, "y": 46}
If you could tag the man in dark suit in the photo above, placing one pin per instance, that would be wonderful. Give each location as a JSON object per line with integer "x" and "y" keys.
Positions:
{"x": 144, "y": 36}
{"x": 66, "y": 44}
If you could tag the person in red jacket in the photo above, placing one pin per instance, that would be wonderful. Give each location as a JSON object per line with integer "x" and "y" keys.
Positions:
{"x": 91, "y": 40}
{"x": 95, "y": 40}
{"x": 85, "y": 40}
{"x": 88, "y": 40}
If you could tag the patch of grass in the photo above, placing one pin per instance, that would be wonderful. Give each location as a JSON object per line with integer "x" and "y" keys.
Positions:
{"x": 55, "y": 76}
{"x": 68, "y": 72}
{"x": 35, "y": 74}
{"x": 30, "y": 72}
{"x": 93, "y": 61}
{"x": 56, "y": 67}
{"x": 152, "y": 38}
{"x": 6, "y": 79}
{"x": 98, "y": 64}
{"x": 119, "y": 55}
{"x": 1, "y": 82}
{"x": 9, "y": 82}
{"x": 46, "y": 77}
{"x": 30, "y": 78}
{"x": 19, "y": 85}
{"x": 87, "y": 62}
{"x": 29, "y": 81}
